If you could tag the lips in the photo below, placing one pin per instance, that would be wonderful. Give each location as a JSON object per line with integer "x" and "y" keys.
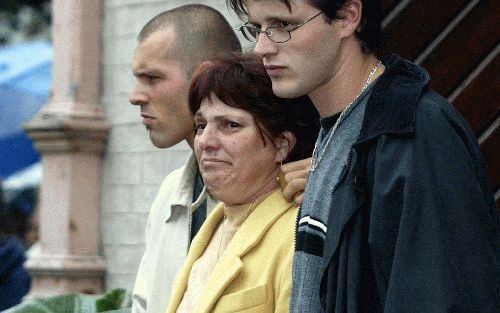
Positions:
{"x": 275, "y": 70}
{"x": 209, "y": 162}
{"x": 147, "y": 119}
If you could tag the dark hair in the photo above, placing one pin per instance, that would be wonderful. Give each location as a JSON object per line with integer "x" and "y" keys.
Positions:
{"x": 241, "y": 81}
{"x": 201, "y": 32}
{"x": 369, "y": 33}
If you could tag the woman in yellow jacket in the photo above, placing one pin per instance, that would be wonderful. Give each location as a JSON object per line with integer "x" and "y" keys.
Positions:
{"x": 241, "y": 259}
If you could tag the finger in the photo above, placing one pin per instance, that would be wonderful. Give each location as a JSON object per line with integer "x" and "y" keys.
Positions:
{"x": 298, "y": 198}
{"x": 297, "y": 165}
{"x": 298, "y": 174}
{"x": 293, "y": 187}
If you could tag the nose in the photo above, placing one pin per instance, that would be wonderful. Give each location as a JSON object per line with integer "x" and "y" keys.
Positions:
{"x": 264, "y": 46}
{"x": 137, "y": 96}
{"x": 207, "y": 140}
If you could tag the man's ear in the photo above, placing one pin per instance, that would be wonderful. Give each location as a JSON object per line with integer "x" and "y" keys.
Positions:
{"x": 284, "y": 143}
{"x": 350, "y": 14}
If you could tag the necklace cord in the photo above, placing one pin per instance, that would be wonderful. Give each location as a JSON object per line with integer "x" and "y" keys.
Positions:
{"x": 316, "y": 159}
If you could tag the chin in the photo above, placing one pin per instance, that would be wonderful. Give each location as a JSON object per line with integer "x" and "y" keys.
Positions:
{"x": 286, "y": 91}
{"x": 162, "y": 142}
{"x": 212, "y": 186}
{"x": 158, "y": 143}
{"x": 217, "y": 190}
{"x": 217, "y": 194}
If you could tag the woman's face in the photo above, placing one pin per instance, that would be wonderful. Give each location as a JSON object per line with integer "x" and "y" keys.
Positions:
{"x": 235, "y": 164}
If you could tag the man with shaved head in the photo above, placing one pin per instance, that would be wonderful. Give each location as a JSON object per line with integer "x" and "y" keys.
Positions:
{"x": 170, "y": 47}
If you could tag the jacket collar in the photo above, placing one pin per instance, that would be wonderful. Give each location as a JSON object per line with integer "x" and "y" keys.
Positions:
{"x": 183, "y": 191}
{"x": 230, "y": 265}
{"x": 392, "y": 104}
{"x": 186, "y": 182}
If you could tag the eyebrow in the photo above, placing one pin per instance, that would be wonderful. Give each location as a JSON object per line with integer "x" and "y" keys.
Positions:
{"x": 139, "y": 73}
{"x": 271, "y": 19}
{"x": 197, "y": 114}
{"x": 217, "y": 118}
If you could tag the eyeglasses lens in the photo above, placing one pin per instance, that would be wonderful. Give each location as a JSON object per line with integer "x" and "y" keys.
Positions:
{"x": 250, "y": 33}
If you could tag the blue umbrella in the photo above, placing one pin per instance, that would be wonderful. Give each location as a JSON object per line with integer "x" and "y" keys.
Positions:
{"x": 25, "y": 81}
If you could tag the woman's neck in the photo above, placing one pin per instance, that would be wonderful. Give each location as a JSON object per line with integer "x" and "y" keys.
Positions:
{"x": 269, "y": 184}
{"x": 236, "y": 214}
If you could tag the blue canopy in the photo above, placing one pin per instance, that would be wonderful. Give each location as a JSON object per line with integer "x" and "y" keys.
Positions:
{"x": 25, "y": 81}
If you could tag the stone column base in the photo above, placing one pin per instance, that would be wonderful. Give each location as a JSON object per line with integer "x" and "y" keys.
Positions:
{"x": 66, "y": 259}
{"x": 57, "y": 274}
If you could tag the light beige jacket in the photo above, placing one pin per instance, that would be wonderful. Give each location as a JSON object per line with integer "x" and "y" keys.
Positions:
{"x": 167, "y": 239}
{"x": 254, "y": 274}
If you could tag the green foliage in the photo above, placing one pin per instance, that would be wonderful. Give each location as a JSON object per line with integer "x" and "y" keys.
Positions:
{"x": 111, "y": 302}
{"x": 76, "y": 303}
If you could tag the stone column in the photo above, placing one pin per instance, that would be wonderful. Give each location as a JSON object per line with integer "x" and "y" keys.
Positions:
{"x": 70, "y": 133}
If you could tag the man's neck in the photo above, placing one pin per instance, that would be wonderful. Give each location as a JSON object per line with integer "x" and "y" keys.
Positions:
{"x": 346, "y": 83}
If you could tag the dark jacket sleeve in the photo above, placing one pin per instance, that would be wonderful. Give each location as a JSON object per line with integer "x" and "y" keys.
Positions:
{"x": 14, "y": 279}
{"x": 434, "y": 227}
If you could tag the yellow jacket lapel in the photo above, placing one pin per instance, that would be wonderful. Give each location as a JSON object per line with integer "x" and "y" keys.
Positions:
{"x": 228, "y": 268}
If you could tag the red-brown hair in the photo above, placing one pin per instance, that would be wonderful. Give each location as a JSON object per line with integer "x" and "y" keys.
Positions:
{"x": 240, "y": 81}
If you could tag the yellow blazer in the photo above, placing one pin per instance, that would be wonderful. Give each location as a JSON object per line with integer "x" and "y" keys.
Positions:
{"x": 254, "y": 274}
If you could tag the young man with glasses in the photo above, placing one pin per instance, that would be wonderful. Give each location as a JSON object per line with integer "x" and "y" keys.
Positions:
{"x": 398, "y": 213}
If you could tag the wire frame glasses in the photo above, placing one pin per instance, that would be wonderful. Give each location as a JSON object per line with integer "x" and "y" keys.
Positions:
{"x": 278, "y": 34}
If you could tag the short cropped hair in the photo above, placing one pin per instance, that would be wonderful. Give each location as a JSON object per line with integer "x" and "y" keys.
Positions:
{"x": 240, "y": 81}
{"x": 369, "y": 32}
{"x": 201, "y": 32}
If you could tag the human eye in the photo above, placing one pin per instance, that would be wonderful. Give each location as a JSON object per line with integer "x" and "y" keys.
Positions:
{"x": 148, "y": 78}
{"x": 151, "y": 79}
{"x": 232, "y": 125}
{"x": 198, "y": 128}
{"x": 287, "y": 25}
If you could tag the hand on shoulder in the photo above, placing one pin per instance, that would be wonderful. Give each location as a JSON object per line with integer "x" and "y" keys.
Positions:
{"x": 293, "y": 179}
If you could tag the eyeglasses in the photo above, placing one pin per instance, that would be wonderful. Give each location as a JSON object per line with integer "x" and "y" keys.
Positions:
{"x": 278, "y": 34}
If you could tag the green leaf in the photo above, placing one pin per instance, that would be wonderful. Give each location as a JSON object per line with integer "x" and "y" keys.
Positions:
{"x": 124, "y": 310}
{"x": 112, "y": 300}
{"x": 74, "y": 303}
